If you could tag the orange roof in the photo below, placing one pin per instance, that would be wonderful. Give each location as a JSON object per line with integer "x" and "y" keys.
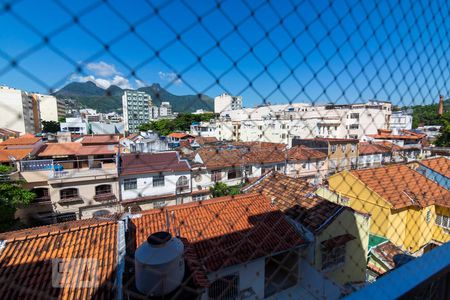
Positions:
{"x": 74, "y": 148}
{"x": 179, "y": 135}
{"x": 366, "y": 148}
{"x": 402, "y": 187}
{"x": 18, "y": 154}
{"x": 100, "y": 139}
{"x": 26, "y": 259}
{"x": 389, "y": 145}
{"x": 403, "y": 135}
{"x": 296, "y": 197}
{"x": 305, "y": 153}
{"x": 27, "y": 139}
{"x": 438, "y": 164}
{"x": 224, "y": 231}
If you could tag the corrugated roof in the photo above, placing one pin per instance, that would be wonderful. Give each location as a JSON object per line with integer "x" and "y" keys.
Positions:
{"x": 26, "y": 260}
{"x": 296, "y": 197}
{"x": 223, "y": 232}
{"x": 141, "y": 163}
{"x": 401, "y": 186}
{"x": 438, "y": 164}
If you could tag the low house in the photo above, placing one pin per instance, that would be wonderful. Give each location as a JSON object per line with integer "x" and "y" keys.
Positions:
{"x": 175, "y": 138}
{"x": 143, "y": 142}
{"x": 307, "y": 163}
{"x": 154, "y": 180}
{"x": 100, "y": 139}
{"x": 373, "y": 155}
{"x": 71, "y": 181}
{"x": 342, "y": 154}
{"x": 338, "y": 235}
{"x": 27, "y": 141}
{"x": 411, "y": 142}
{"x": 238, "y": 247}
{"x": 407, "y": 208}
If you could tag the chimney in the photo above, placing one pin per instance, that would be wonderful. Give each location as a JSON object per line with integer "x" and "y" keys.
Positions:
{"x": 441, "y": 105}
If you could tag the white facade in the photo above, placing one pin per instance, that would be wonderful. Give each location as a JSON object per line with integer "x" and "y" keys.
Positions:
{"x": 74, "y": 125}
{"x": 206, "y": 129}
{"x": 400, "y": 120}
{"x": 107, "y": 128}
{"x": 280, "y": 123}
{"x": 16, "y": 108}
{"x": 227, "y": 102}
{"x": 136, "y": 109}
{"x": 51, "y": 109}
{"x": 145, "y": 142}
{"x": 161, "y": 112}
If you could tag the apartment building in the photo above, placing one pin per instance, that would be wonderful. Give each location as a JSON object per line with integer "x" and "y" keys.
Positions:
{"x": 143, "y": 142}
{"x": 400, "y": 120}
{"x": 227, "y": 102}
{"x": 307, "y": 163}
{"x": 154, "y": 180}
{"x": 342, "y": 154}
{"x": 163, "y": 111}
{"x": 407, "y": 208}
{"x": 51, "y": 108}
{"x": 372, "y": 154}
{"x": 205, "y": 129}
{"x": 136, "y": 109}
{"x": 75, "y": 126}
{"x": 20, "y": 110}
{"x": 281, "y": 123}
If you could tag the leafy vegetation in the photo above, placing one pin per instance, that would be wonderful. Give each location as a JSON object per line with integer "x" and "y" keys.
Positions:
{"x": 50, "y": 126}
{"x": 443, "y": 139}
{"x": 181, "y": 123}
{"x": 427, "y": 114}
{"x": 220, "y": 189}
{"x": 12, "y": 196}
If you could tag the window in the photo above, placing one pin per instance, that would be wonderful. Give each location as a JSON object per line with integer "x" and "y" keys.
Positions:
{"x": 198, "y": 197}
{"x": 354, "y": 126}
{"x": 182, "y": 181}
{"x": 225, "y": 288}
{"x": 129, "y": 184}
{"x": 216, "y": 176}
{"x": 158, "y": 180}
{"x": 343, "y": 148}
{"x": 281, "y": 272}
{"x": 248, "y": 170}
{"x": 443, "y": 221}
{"x": 159, "y": 204}
{"x": 333, "y": 256}
{"x": 428, "y": 216}
{"x": 353, "y": 147}
{"x": 103, "y": 189}
{"x": 354, "y": 116}
{"x": 234, "y": 173}
{"x": 333, "y": 148}
{"x": 70, "y": 193}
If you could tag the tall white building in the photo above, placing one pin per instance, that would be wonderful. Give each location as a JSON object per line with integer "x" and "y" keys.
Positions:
{"x": 19, "y": 110}
{"x": 51, "y": 109}
{"x": 136, "y": 109}
{"x": 161, "y": 112}
{"x": 227, "y": 102}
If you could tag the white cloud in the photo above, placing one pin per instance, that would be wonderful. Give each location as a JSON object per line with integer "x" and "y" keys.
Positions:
{"x": 170, "y": 77}
{"x": 140, "y": 83}
{"x": 102, "y": 69}
{"x": 104, "y": 83}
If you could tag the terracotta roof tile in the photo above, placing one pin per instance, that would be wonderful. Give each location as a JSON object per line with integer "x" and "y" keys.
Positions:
{"x": 366, "y": 148}
{"x": 75, "y": 148}
{"x": 108, "y": 139}
{"x": 22, "y": 140}
{"x": 438, "y": 164}
{"x": 26, "y": 260}
{"x": 224, "y": 231}
{"x": 401, "y": 186}
{"x": 386, "y": 252}
{"x": 18, "y": 154}
{"x": 206, "y": 140}
{"x": 140, "y": 163}
{"x": 180, "y": 135}
{"x": 304, "y": 153}
{"x": 296, "y": 198}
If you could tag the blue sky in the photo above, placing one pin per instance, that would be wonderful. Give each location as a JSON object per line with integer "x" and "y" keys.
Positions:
{"x": 277, "y": 51}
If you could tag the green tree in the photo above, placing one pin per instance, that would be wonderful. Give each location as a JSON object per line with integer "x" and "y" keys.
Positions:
{"x": 443, "y": 139}
{"x": 182, "y": 122}
{"x": 220, "y": 189}
{"x": 12, "y": 197}
{"x": 50, "y": 126}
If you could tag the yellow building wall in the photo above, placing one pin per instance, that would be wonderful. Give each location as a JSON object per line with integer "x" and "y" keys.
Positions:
{"x": 354, "y": 268}
{"x": 407, "y": 228}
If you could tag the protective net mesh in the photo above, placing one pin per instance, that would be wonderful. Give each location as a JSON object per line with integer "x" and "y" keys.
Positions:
{"x": 317, "y": 171}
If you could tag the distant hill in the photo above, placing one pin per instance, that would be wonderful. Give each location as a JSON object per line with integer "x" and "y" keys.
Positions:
{"x": 87, "y": 94}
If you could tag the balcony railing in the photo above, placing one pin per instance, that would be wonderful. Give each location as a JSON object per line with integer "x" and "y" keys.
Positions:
{"x": 36, "y": 165}
{"x": 105, "y": 197}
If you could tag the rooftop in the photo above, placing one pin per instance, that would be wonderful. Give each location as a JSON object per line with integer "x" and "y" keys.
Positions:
{"x": 304, "y": 153}
{"x": 179, "y": 135}
{"x": 27, "y": 139}
{"x": 367, "y": 148}
{"x": 297, "y": 198}
{"x": 386, "y": 252}
{"x": 222, "y": 232}
{"x": 107, "y": 139}
{"x": 17, "y": 154}
{"x": 402, "y": 187}
{"x": 141, "y": 163}
{"x": 438, "y": 164}
{"x": 26, "y": 259}
{"x": 76, "y": 149}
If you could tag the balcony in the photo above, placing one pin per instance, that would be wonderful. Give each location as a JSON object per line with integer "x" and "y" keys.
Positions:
{"x": 105, "y": 197}
{"x": 106, "y": 171}
{"x": 70, "y": 200}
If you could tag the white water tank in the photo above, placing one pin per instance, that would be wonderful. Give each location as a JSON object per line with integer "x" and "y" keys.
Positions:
{"x": 159, "y": 264}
